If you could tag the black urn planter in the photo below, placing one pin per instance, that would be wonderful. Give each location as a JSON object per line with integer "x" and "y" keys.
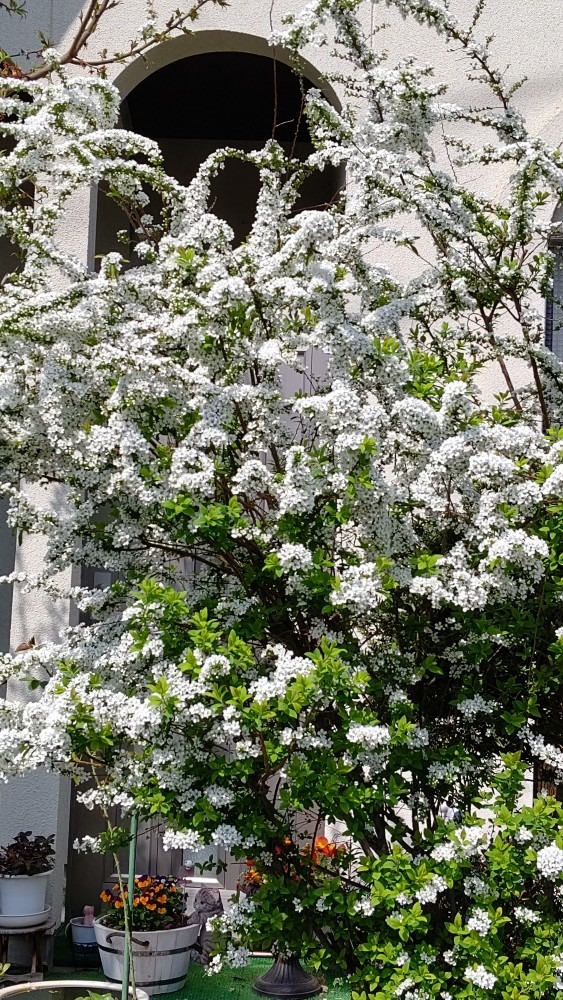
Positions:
{"x": 287, "y": 978}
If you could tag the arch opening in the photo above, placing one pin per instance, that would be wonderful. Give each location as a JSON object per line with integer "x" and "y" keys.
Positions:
{"x": 201, "y": 103}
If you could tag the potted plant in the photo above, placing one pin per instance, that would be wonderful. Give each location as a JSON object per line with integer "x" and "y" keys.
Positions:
{"x": 25, "y": 865}
{"x": 161, "y": 939}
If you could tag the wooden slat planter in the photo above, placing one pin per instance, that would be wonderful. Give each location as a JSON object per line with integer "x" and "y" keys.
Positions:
{"x": 160, "y": 958}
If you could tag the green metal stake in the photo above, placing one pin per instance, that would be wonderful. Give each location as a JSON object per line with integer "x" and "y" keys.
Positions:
{"x": 130, "y": 893}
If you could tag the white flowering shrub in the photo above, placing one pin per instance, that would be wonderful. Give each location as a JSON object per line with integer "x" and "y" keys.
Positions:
{"x": 376, "y": 609}
{"x": 479, "y": 907}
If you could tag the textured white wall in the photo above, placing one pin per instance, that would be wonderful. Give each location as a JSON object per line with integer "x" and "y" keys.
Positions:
{"x": 40, "y": 801}
{"x": 524, "y": 41}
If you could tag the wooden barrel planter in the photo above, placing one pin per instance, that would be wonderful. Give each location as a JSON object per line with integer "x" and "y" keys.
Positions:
{"x": 160, "y": 958}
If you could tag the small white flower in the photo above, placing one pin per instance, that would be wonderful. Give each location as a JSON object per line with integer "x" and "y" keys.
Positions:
{"x": 403, "y": 899}
{"x": 475, "y": 886}
{"x": 87, "y": 844}
{"x": 364, "y": 907}
{"x": 404, "y": 986}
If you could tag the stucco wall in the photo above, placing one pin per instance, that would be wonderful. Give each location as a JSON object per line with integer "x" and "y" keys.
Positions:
{"x": 40, "y": 801}
{"x": 525, "y": 41}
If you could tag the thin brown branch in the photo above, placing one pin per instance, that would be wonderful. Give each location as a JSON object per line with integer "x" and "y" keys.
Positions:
{"x": 509, "y": 383}
{"x": 89, "y": 24}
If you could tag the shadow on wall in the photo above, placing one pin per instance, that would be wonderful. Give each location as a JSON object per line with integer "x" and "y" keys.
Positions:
{"x": 10, "y": 260}
{"x": 554, "y": 302}
{"x": 50, "y": 18}
{"x": 7, "y": 560}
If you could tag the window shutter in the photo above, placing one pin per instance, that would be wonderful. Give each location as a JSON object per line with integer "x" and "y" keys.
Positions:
{"x": 554, "y": 305}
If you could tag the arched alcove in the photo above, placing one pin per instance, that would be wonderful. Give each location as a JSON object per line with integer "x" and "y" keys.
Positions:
{"x": 205, "y": 101}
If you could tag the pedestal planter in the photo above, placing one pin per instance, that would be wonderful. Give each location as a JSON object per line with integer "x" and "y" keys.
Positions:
{"x": 23, "y": 894}
{"x": 287, "y": 979}
{"x": 160, "y": 958}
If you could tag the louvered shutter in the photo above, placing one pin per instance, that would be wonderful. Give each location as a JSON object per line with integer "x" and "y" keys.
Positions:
{"x": 554, "y": 306}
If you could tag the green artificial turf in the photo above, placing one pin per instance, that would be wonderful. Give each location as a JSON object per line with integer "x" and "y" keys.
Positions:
{"x": 230, "y": 984}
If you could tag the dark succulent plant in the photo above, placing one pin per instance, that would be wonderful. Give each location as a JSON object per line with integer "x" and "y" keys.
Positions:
{"x": 27, "y": 855}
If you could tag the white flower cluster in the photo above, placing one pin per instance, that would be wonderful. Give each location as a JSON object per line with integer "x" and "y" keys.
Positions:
{"x": 359, "y": 587}
{"x": 294, "y": 558}
{"x": 480, "y": 922}
{"x": 418, "y": 738}
{"x": 404, "y": 987}
{"x": 237, "y": 918}
{"x": 220, "y": 796}
{"x": 369, "y": 737}
{"x": 236, "y": 957}
{"x": 173, "y": 840}
{"x": 87, "y": 844}
{"x": 471, "y": 707}
{"x": 526, "y": 916}
{"x": 549, "y": 861}
{"x": 430, "y": 891}
{"x": 443, "y": 852}
{"x": 403, "y": 899}
{"x": 287, "y": 668}
{"x": 480, "y": 977}
{"x": 472, "y": 841}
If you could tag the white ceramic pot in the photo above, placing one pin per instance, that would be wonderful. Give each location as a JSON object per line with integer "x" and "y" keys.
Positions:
{"x": 160, "y": 958}
{"x": 83, "y": 985}
{"x": 12, "y": 922}
{"x": 82, "y": 933}
{"x": 21, "y": 894}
